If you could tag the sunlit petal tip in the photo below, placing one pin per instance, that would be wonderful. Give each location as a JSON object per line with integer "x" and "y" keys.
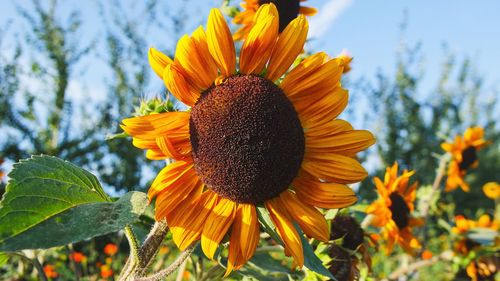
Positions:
{"x": 289, "y": 45}
{"x": 308, "y": 11}
{"x": 257, "y": 47}
{"x": 158, "y": 61}
{"x": 177, "y": 84}
{"x": 220, "y": 43}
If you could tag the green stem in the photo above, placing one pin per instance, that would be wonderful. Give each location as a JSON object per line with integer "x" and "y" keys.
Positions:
{"x": 133, "y": 259}
{"x": 436, "y": 184}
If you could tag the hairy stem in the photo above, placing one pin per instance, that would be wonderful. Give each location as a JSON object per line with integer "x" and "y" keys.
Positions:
{"x": 171, "y": 268}
{"x": 141, "y": 257}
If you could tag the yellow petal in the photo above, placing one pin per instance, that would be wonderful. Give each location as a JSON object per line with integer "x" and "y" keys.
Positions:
{"x": 286, "y": 230}
{"x": 257, "y": 48}
{"x": 158, "y": 61}
{"x": 289, "y": 45}
{"x": 216, "y": 226}
{"x": 310, "y": 220}
{"x": 220, "y": 43}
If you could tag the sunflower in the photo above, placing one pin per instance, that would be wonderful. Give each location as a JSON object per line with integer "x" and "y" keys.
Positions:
{"x": 463, "y": 226}
{"x": 247, "y": 142}
{"x": 392, "y": 211}
{"x": 343, "y": 265}
{"x": 464, "y": 156}
{"x": 287, "y": 10}
{"x": 484, "y": 268}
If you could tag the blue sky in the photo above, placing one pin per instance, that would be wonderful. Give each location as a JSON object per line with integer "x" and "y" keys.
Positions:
{"x": 370, "y": 30}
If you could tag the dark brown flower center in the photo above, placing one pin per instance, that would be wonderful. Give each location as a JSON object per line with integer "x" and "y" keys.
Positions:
{"x": 346, "y": 227}
{"x": 287, "y": 10}
{"x": 248, "y": 143}
{"x": 469, "y": 156}
{"x": 399, "y": 209}
{"x": 341, "y": 263}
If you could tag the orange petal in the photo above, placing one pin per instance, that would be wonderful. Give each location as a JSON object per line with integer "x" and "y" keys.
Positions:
{"x": 175, "y": 190}
{"x": 216, "y": 226}
{"x": 197, "y": 64}
{"x": 289, "y": 45}
{"x": 168, "y": 176}
{"x": 333, "y": 167}
{"x": 345, "y": 143}
{"x": 286, "y": 230}
{"x": 310, "y": 220}
{"x": 146, "y": 130}
{"x": 313, "y": 77}
{"x": 220, "y": 43}
{"x": 308, "y": 11}
{"x": 329, "y": 128}
{"x": 317, "y": 112}
{"x": 179, "y": 86}
{"x": 324, "y": 195}
{"x": 158, "y": 61}
{"x": 259, "y": 43}
{"x": 186, "y": 222}
{"x": 244, "y": 237}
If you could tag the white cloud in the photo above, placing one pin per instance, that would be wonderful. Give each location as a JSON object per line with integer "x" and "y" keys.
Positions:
{"x": 327, "y": 15}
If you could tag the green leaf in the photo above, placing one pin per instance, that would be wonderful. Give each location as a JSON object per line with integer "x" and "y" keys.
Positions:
{"x": 266, "y": 222}
{"x": 79, "y": 223}
{"x": 3, "y": 258}
{"x": 51, "y": 202}
{"x": 311, "y": 261}
{"x": 483, "y": 236}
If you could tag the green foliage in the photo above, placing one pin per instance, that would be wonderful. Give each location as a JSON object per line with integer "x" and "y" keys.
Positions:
{"x": 65, "y": 203}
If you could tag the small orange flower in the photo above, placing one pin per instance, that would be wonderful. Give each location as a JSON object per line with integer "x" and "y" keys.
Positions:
{"x": 106, "y": 271}
{"x": 50, "y": 271}
{"x": 164, "y": 250}
{"x": 110, "y": 249}
{"x": 464, "y": 156}
{"x": 77, "y": 257}
{"x": 427, "y": 255}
